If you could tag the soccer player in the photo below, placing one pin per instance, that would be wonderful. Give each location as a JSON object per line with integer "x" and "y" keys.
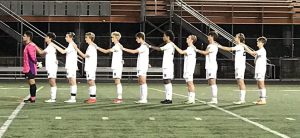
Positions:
{"x": 142, "y": 65}
{"x": 260, "y": 68}
{"x": 116, "y": 64}
{"x": 51, "y": 64}
{"x": 167, "y": 65}
{"x": 71, "y": 64}
{"x": 211, "y": 64}
{"x": 30, "y": 64}
{"x": 239, "y": 65}
{"x": 90, "y": 65}
{"x": 189, "y": 66}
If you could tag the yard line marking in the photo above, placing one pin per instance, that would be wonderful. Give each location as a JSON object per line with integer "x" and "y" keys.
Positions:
{"x": 235, "y": 115}
{"x": 198, "y": 118}
{"x": 291, "y": 90}
{"x": 152, "y": 118}
{"x": 14, "y": 114}
{"x": 105, "y": 118}
{"x": 238, "y": 118}
{"x": 291, "y": 119}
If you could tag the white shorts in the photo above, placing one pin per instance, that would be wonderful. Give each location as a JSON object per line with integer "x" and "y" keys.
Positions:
{"x": 168, "y": 73}
{"x": 90, "y": 75}
{"x": 260, "y": 76}
{"x": 188, "y": 76}
{"x": 117, "y": 73}
{"x": 239, "y": 73}
{"x": 71, "y": 73}
{"x": 211, "y": 74}
{"x": 141, "y": 73}
{"x": 52, "y": 73}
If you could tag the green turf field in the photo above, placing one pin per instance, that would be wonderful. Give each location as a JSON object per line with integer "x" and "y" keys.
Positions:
{"x": 130, "y": 120}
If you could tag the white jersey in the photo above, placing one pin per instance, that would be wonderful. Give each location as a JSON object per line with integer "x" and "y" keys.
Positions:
{"x": 117, "y": 57}
{"x": 240, "y": 56}
{"x": 143, "y": 58}
{"x": 211, "y": 58}
{"x": 190, "y": 60}
{"x": 261, "y": 60}
{"x": 168, "y": 55}
{"x": 91, "y": 60}
{"x": 71, "y": 57}
{"x": 51, "y": 61}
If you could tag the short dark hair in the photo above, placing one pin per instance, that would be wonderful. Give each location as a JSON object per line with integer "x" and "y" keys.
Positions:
{"x": 213, "y": 34}
{"x": 51, "y": 35}
{"x": 140, "y": 35}
{"x": 242, "y": 37}
{"x": 71, "y": 34}
{"x": 29, "y": 34}
{"x": 170, "y": 34}
{"x": 262, "y": 39}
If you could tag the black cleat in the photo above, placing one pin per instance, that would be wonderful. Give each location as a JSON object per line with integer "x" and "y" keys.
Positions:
{"x": 29, "y": 100}
{"x": 166, "y": 102}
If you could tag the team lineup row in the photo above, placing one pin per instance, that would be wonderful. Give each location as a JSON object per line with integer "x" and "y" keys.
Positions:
{"x": 90, "y": 56}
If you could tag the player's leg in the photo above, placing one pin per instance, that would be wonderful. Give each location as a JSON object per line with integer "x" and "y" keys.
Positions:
{"x": 242, "y": 88}
{"x": 91, "y": 76}
{"x": 71, "y": 75}
{"x": 260, "y": 78}
{"x": 191, "y": 92}
{"x": 32, "y": 87}
{"x": 143, "y": 89}
{"x": 167, "y": 77}
{"x": 53, "y": 87}
{"x": 211, "y": 75}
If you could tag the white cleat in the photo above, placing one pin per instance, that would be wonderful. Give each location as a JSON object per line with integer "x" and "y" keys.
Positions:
{"x": 189, "y": 102}
{"x": 212, "y": 102}
{"x": 50, "y": 101}
{"x": 239, "y": 102}
{"x": 141, "y": 102}
{"x": 70, "y": 101}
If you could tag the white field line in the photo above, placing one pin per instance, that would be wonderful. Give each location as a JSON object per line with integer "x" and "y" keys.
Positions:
{"x": 235, "y": 115}
{"x": 13, "y": 115}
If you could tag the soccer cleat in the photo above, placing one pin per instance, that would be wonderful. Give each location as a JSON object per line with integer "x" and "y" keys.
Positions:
{"x": 50, "y": 101}
{"x": 239, "y": 102}
{"x": 260, "y": 102}
{"x": 117, "y": 101}
{"x": 70, "y": 101}
{"x": 90, "y": 101}
{"x": 212, "y": 102}
{"x": 141, "y": 102}
{"x": 189, "y": 102}
{"x": 166, "y": 102}
{"x": 29, "y": 100}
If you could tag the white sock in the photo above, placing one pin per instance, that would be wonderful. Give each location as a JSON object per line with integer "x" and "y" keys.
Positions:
{"x": 141, "y": 92}
{"x": 53, "y": 92}
{"x": 169, "y": 91}
{"x": 92, "y": 91}
{"x": 144, "y": 88}
{"x": 73, "y": 92}
{"x": 192, "y": 96}
{"x": 263, "y": 94}
{"x": 242, "y": 95}
{"x": 214, "y": 91}
{"x": 119, "y": 91}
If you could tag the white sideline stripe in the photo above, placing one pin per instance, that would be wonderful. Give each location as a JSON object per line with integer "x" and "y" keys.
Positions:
{"x": 235, "y": 115}
{"x": 198, "y": 118}
{"x": 13, "y": 115}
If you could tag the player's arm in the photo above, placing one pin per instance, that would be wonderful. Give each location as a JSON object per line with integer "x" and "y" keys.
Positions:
{"x": 81, "y": 53}
{"x": 40, "y": 51}
{"x": 155, "y": 48}
{"x": 77, "y": 49}
{"x": 180, "y": 51}
{"x": 226, "y": 48}
{"x": 248, "y": 50}
{"x": 59, "y": 49}
{"x": 106, "y": 51}
{"x": 31, "y": 54}
{"x": 206, "y": 52}
{"x": 135, "y": 51}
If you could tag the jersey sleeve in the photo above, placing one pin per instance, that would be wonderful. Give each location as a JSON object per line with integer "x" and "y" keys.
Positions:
{"x": 166, "y": 47}
{"x": 141, "y": 49}
{"x": 32, "y": 53}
